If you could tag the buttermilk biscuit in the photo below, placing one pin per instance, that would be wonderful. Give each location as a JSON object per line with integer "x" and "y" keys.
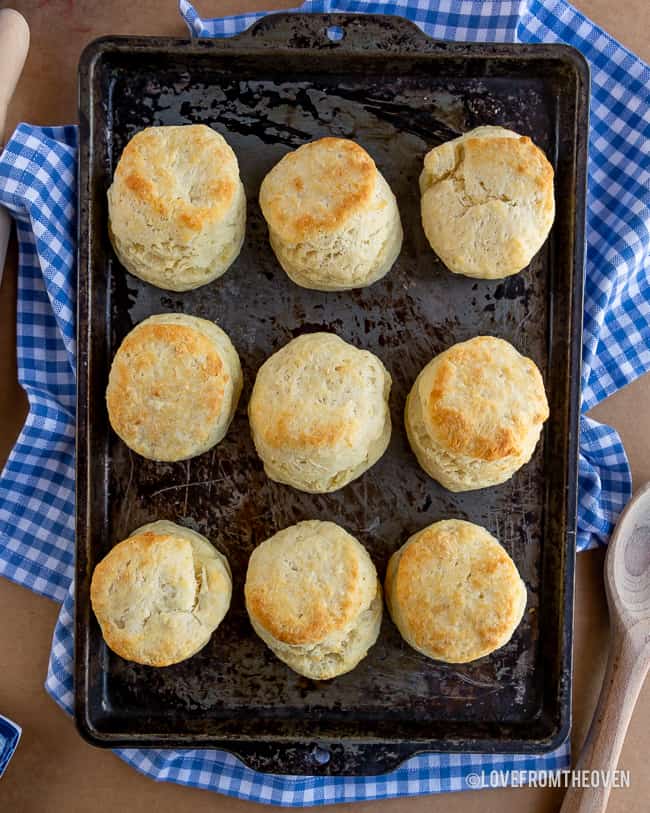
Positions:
{"x": 177, "y": 208}
{"x": 313, "y": 597}
{"x": 173, "y": 387}
{"x": 453, "y": 592}
{"x": 487, "y": 202}
{"x": 160, "y": 594}
{"x": 475, "y": 414}
{"x": 333, "y": 220}
{"x": 319, "y": 413}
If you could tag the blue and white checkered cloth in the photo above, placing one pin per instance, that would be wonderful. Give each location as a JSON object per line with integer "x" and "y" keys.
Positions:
{"x": 37, "y": 184}
{"x": 9, "y": 738}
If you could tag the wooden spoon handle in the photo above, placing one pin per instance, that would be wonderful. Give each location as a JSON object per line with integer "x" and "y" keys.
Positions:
{"x": 626, "y": 670}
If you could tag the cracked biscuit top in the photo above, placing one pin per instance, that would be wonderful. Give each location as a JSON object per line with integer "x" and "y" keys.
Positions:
{"x": 160, "y": 594}
{"x": 487, "y": 202}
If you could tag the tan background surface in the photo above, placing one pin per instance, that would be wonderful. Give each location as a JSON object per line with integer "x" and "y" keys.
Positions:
{"x": 53, "y": 769}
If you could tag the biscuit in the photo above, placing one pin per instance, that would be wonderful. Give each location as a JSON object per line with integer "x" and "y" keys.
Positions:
{"x": 475, "y": 413}
{"x": 173, "y": 387}
{"x": 313, "y": 597}
{"x": 453, "y": 592}
{"x": 177, "y": 207}
{"x": 487, "y": 202}
{"x": 319, "y": 413}
{"x": 333, "y": 220}
{"x": 160, "y": 594}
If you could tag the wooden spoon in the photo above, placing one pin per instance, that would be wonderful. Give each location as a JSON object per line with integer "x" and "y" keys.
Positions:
{"x": 14, "y": 44}
{"x": 627, "y": 582}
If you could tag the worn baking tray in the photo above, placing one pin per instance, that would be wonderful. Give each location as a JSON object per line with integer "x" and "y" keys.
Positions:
{"x": 398, "y": 93}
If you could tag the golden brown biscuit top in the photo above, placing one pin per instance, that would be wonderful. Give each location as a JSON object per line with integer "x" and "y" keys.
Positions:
{"x": 186, "y": 175}
{"x": 458, "y": 592}
{"x": 309, "y": 581}
{"x": 119, "y": 577}
{"x": 317, "y": 188}
{"x": 318, "y": 392}
{"x": 167, "y": 380}
{"x": 482, "y": 398}
{"x": 159, "y": 594}
{"x": 492, "y": 163}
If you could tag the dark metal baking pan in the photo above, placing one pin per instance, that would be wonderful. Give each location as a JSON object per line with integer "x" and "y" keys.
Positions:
{"x": 397, "y": 92}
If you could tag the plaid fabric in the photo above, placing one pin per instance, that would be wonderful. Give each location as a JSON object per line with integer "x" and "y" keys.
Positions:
{"x": 37, "y": 489}
{"x": 37, "y": 185}
{"x": 9, "y": 738}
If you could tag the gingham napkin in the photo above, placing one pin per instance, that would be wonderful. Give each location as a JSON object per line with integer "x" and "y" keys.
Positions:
{"x": 9, "y": 738}
{"x": 37, "y": 184}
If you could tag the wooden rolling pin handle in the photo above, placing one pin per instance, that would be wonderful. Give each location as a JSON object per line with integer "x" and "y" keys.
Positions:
{"x": 14, "y": 44}
{"x": 624, "y": 676}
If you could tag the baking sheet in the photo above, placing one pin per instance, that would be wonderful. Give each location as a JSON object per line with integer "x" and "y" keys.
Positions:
{"x": 397, "y": 93}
